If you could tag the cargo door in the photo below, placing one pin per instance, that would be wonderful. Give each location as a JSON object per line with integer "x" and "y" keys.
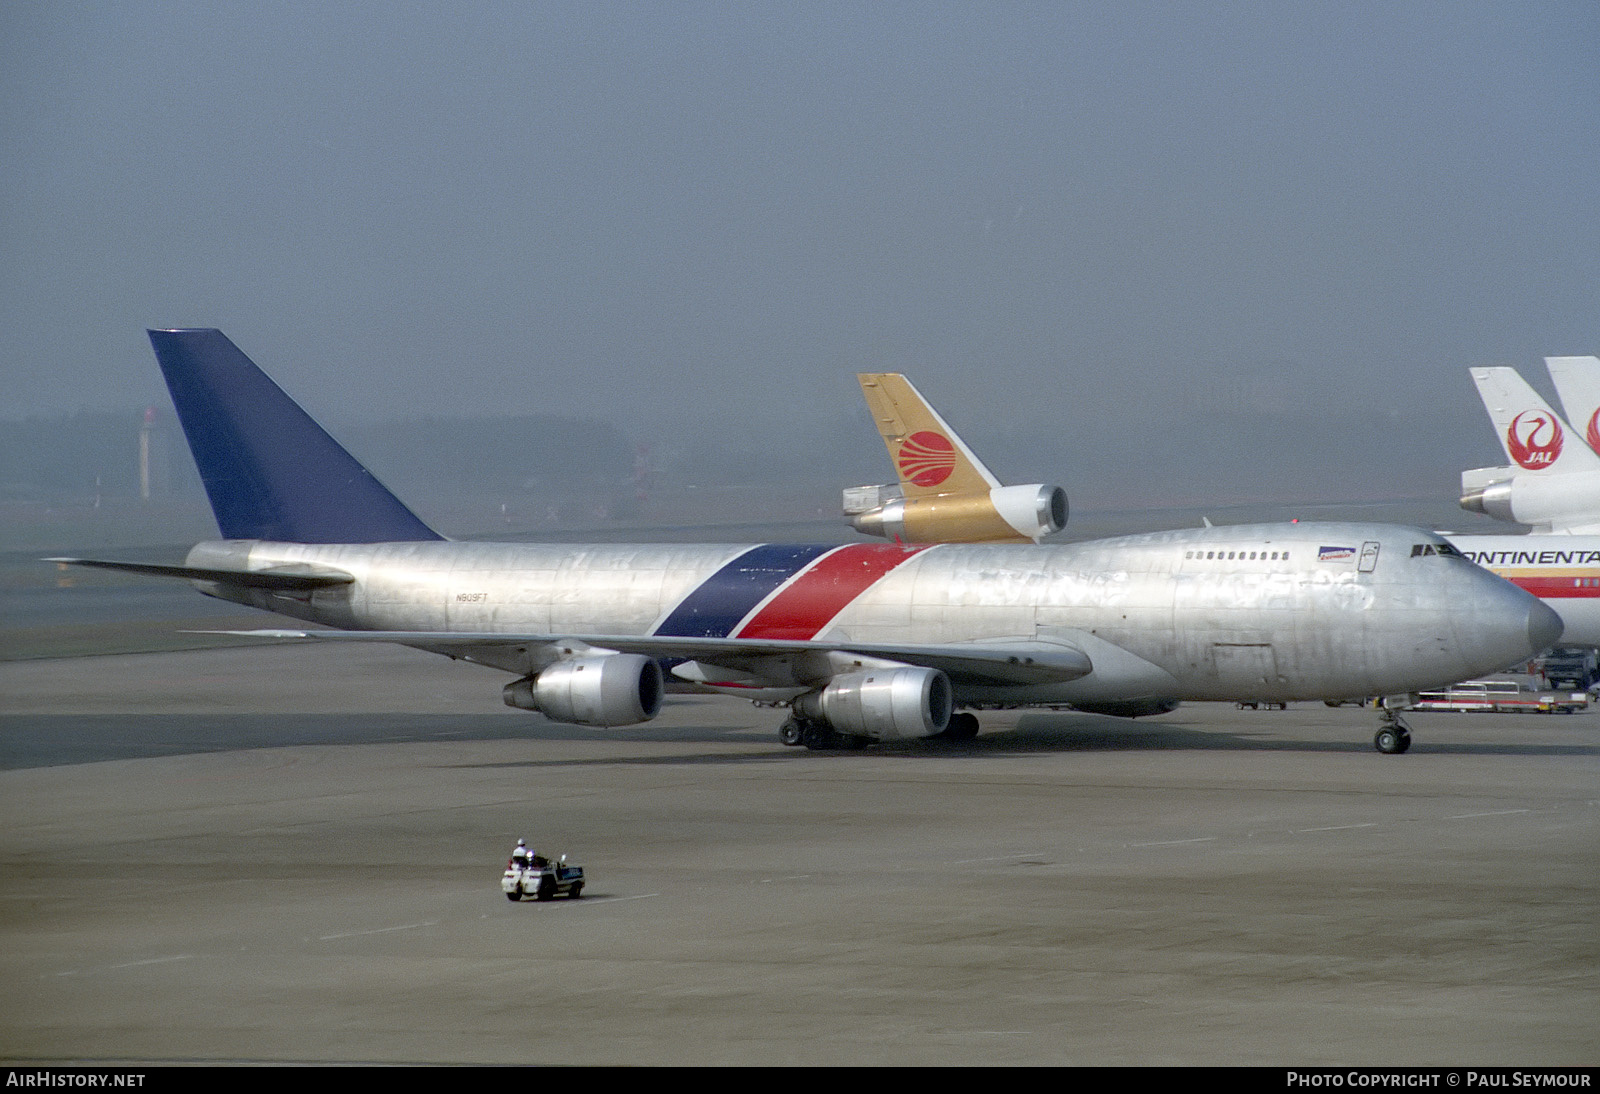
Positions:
{"x": 1248, "y": 666}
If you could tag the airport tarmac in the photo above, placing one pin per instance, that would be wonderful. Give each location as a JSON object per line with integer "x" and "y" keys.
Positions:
{"x": 292, "y": 854}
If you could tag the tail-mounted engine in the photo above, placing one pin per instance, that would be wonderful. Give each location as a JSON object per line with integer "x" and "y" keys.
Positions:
{"x": 614, "y": 689}
{"x": 1548, "y": 502}
{"x": 882, "y": 704}
{"x": 1006, "y": 513}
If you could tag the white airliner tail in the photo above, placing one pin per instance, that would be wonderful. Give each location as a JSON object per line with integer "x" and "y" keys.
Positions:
{"x": 1553, "y": 483}
{"x": 1535, "y": 438}
{"x": 1577, "y": 381}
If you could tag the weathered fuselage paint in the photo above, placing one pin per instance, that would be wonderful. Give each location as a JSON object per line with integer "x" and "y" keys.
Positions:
{"x": 1279, "y": 611}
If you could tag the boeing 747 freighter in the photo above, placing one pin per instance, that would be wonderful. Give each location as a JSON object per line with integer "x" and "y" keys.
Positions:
{"x": 861, "y": 643}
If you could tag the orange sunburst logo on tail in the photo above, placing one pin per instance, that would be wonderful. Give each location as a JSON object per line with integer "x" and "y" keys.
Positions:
{"x": 926, "y": 459}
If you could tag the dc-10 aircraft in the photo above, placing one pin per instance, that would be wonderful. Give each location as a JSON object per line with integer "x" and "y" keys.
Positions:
{"x": 1553, "y": 480}
{"x": 863, "y": 642}
{"x": 945, "y": 493}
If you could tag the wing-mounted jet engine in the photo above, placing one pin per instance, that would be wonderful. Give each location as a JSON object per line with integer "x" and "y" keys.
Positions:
{"x": 595, "y": 688}
{"x": 945, "y": 493}
{"x": 896, "y": 702}
{"x": 1553, "y": 480}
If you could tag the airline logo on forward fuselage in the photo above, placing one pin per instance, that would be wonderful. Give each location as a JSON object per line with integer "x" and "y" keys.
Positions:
{"x": 1534, "y": 439}
{"x": 926, "y": 458}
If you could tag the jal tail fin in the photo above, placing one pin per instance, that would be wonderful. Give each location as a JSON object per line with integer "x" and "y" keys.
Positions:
{"x": 1534, "y": 437}
{"x": 927, "y": 455}
{"x": 270, "y": 471}
{"x": 1577, "y": 381}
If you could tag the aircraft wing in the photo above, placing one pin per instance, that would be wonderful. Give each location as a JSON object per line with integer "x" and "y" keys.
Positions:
{"x": 771, "y": 662}
{"x": 277, "y": 578}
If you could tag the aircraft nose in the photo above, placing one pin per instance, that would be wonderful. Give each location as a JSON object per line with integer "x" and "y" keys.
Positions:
{"x": 1544, "y": 626}
{"x": 1499, "y": 624}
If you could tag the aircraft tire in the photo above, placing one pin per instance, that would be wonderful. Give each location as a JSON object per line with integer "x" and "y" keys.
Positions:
{"x": 792, "y": 732}
{"x": 1391, "y": 741}
{"x": 819, "y": 738}
{"x": 962, "y": 727}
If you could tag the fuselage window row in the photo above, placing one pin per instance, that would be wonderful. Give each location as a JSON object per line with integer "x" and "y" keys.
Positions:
{"x": 1240, "y": 556}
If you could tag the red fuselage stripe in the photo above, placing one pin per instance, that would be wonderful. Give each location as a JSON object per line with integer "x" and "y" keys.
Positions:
{"x": 1556, "y": 588}
{"x": 824, "y": 590}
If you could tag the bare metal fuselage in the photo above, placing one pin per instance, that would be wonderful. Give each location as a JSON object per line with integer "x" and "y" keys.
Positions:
{"x": 1262, "y": 611}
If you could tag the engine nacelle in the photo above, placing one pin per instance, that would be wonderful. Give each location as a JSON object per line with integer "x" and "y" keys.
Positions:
{"x": 1493, "y": 499}
{"x": 1035, "y": 510}
{"x": 614, "y": 689}
{"x": 1006, "y": 513}
{"x": 1563, "y": 503}
{"x": 883, "y": 704}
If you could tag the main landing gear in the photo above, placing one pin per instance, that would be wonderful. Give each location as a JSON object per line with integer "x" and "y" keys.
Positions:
{"x": 962, "y": 727}
{"x": 820, "y": 736}
{"x": 817, "y": 736}
{"x": 1393, "y": 736}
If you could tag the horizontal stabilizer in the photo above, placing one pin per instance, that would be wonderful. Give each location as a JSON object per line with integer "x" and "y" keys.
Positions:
{"x": 278, "y": 579}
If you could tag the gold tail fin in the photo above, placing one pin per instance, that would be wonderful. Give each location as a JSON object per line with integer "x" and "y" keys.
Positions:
{"x": 927, "y": 455}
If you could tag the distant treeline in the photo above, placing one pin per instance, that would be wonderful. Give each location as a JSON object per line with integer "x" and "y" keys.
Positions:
{"x": 98, "y": 452}
{"x": 499, "y": 455}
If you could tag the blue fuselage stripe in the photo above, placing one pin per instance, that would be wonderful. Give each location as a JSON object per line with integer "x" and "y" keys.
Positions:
{"x": 715, "y": 608}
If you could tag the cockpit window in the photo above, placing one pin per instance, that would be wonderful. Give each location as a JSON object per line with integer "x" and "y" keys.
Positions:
{"x": 1422, "y": 549}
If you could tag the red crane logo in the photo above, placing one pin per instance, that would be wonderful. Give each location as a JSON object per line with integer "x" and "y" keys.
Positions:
{"x": 1534, "y": 439}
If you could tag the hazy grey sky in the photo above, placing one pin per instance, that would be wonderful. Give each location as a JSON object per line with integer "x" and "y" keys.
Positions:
{"x": 1157, "y": 251}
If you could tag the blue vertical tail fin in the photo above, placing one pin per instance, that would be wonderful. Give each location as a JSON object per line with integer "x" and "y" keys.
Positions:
{"x": 270, "y": 471}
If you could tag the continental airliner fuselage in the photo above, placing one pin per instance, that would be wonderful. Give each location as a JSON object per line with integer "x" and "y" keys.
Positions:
{"x": 1563, "y": 571}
